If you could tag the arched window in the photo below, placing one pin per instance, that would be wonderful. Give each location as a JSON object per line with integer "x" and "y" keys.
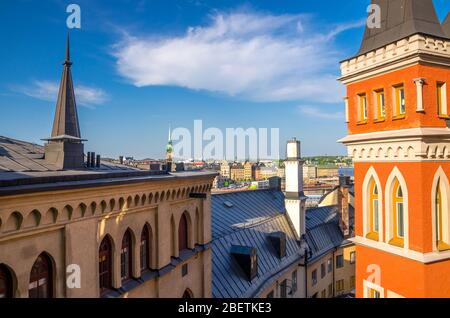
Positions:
{"x": 6, "y": 287}
{"x": 374, "y": 205}
{"x": 183, "y": 233}
{"x": 187, "y": 294}
{"x": 145, "y": 249}
{"x": 438, "y": 209}
{"x": 440, "y": 218}
{"x": 126, "y": 257}
{"x": 105, "y": 264}
{"x": 41, "y": 278}
{"x": 398, "y": 216}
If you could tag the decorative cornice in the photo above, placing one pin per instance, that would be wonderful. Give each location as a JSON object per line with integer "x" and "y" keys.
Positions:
{"x": 416, "y": 144}
{"x": 412, "y": 50}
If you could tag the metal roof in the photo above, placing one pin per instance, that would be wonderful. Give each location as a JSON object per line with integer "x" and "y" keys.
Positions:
{"x": 401, "y": 19}
{"x": 24, "y": 169}
{"x": 249, "y": 221}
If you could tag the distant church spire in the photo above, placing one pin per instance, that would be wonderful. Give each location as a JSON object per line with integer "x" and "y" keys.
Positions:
{"x": 169, "y": 147}
{"x": 65, "y": 124}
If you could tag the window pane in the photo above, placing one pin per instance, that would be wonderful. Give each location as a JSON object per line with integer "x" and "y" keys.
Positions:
{"x": 375, "y": 215}
{"x": 400, "y": 225}
{"x": 402, "y": 100}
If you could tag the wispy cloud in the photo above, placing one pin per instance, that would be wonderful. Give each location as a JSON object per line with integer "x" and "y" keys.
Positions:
{"x": 48, "y": 90}
{"x": 317, "y": 112}
{"x": 251, "y": 55}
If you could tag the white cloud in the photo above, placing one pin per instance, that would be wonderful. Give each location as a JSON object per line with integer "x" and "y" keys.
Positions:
{"x": 48, "y": 91}
{"x": 319, "y": 113}
{"x": 255, "y": 56}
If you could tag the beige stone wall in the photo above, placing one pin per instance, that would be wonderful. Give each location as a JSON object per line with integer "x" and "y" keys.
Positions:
{"x": 322, "y": 283}
{"x": 69, "y": 226}
{"x": 275, "y": 287}
{"x": 345, "y": 273}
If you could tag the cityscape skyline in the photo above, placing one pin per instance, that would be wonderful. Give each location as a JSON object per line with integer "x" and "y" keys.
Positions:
{"x": 107, "y": 60}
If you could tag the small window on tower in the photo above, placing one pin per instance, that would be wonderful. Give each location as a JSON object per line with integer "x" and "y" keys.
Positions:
{"x": 362, "y": 108}
{"x": 442, "y": 99}
{"x": 400, "y": 102}
{"x": 380, "y": 105}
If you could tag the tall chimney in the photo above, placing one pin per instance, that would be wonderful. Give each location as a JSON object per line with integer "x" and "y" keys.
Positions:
{"x": 92, "y": 163}
{"x": 343, "y": 202}
{"x": 88, "y": 159}
{"x": 294, "y": 197}
{"x": 97, "y": 163}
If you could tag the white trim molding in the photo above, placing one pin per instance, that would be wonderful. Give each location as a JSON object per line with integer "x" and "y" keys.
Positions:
{"x": 411, "y": 145}
{"x": 445, "y": 206}
{"x": 424, "y": 258}
{"x": 389, "y": 217}
{"x": 372, "y": 175}
{"x": 369, "y": 285}
{"x": 403, "y": 53}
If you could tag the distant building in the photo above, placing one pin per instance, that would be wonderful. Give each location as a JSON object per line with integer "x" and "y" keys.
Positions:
{"x": 309, "y": 172}
{"x": 237, "y": 172}
{"x": 249, "y": 170}
{"x": 326, "y": 171}
{"x": 225, "y": 170}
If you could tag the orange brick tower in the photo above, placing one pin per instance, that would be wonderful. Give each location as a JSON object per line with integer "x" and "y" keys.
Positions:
{"x": 398, "y": 118}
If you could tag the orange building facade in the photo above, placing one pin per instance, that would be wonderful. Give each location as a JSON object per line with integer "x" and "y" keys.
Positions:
{"x": 398, "y": 136}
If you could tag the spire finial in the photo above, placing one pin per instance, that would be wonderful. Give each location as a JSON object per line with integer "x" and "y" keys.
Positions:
{"x": 67, "y": 61}
{"x": 170, "y": 132}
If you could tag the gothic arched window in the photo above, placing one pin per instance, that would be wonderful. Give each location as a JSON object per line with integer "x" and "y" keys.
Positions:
{"x": 183, "y": 233}
{"x": 105, "y": 264}
{"x": 41, "y": 278}
{"x": 126, "y": 257}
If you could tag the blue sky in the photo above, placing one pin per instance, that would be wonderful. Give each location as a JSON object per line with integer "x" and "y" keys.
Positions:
{"x": 142, "y": 65}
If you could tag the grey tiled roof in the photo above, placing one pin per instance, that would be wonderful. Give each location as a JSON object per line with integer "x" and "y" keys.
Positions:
{"x": 247, "y": 218}
{"x": 400, "y": 19}
{"x": 446, "y": 25}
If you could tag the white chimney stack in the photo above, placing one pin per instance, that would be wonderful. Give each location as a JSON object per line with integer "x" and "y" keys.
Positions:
{"x": 294, "y": 197}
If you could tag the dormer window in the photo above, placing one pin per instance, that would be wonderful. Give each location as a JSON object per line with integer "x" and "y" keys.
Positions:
{"x": 247, "y": 258}
{"x": 278, "y": 240}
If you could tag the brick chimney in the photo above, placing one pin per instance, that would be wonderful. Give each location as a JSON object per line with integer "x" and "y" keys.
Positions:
{"x": 343, "y": 202}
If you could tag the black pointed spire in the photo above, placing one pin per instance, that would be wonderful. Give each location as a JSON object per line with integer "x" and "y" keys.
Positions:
{"x": 65, "y": 149}
{"x": 401, "y": 19}
{"x": 66, "y": 123}
{"x": 67, "y": 61}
